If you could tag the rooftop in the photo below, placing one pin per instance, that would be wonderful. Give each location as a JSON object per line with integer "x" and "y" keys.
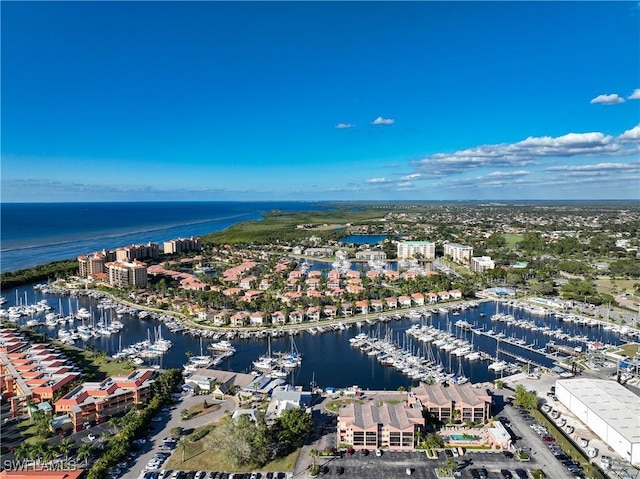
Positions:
{"x": 612, "y": 402}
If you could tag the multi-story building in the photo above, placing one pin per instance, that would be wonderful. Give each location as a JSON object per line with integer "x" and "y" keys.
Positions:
{"x": 410, "y": 249}
{"x": 445, "y": 403}
{"x": 31, "y": 372}
{"x": 373, "y": 425}
{"x": 371, "y": 255}
{"x": 182, "y": 245}
{"x": 458, "y": 252}
{"x": 480, "y": 264}
{"x": 91, "y": 265}
{"x": 138, "y": 251}
{"x": 123, "y": 274}
{"x": 97, "y": 401}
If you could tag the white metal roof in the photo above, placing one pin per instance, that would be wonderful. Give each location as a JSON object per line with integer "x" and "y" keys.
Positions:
{"x": 614, "y": 403}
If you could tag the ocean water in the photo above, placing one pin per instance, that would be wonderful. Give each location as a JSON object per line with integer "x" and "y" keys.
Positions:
{"x": 38, "y": 233}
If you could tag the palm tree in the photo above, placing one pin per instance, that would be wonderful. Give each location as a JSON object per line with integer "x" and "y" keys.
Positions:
{"x": 65, "y": 447}
{"x": 50, "y": 452}
{"x": 23, "y": 451}
{"x": 114, "y": 423}
{"x": 182, "y": 443}
{"x": 84, "y": 452}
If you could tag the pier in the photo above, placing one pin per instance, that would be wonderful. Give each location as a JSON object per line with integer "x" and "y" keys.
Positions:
{"x": 527, "y": 347}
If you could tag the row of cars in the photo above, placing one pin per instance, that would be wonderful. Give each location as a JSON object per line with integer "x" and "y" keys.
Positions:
{"x": 482, "y": 473}
{"x": 164, "y": 474}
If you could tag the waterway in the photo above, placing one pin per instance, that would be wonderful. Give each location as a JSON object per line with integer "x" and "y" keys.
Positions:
{"x": 328, "y": 358}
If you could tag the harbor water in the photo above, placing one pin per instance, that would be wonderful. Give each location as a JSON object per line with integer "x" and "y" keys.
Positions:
{"x": 328, "y": 358}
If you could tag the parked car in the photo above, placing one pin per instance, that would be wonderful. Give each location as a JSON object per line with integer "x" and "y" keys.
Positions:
{"x": 378, "y": 452}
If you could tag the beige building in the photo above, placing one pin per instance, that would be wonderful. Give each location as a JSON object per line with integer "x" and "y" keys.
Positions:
{"x": 138, "y": 251}
{"x": 124, "y": 274}
{"x": 458, "y": 252}
{"x": 90, "y": 265}
{"x": 409, "y": 249}
{"x": 182, "y": 245}
{"x": 374, "y": 425}
{"x": 450, "y": 402}
{"x": 480, "y": 264}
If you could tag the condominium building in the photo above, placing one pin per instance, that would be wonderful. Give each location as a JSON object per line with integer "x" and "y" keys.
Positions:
{"x": 458, "y": 252}
{"x": 91, "y": 265}
{"x": 480, "y": 264}
{"x": 446, "y": 402}
{"x": 138, "y": 251}
{"x": 123, "y": 274}
{"x": 97, "y": 401}
{"x": 371, "y": 255}
{"x": 31, "y": 372}
{"x": 182, "y": 245}
{"x": 409, "y": 249}
{"x": 375, "y": 425}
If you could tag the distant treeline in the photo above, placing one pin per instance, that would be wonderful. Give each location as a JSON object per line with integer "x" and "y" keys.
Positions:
{"x": 44, "y": 272}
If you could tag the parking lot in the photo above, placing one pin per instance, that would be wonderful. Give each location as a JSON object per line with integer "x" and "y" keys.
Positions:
{"x": 417, "y": 465}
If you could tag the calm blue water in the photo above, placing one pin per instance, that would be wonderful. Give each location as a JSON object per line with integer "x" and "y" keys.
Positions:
{"x": 37, "y": 233}
{"x": 329, "y": 358}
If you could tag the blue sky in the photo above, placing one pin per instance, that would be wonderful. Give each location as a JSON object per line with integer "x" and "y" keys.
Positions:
{"x": 106, "y": 101}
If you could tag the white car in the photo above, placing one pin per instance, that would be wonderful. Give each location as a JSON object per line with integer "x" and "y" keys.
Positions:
{"x": 378, "y": 452}
{"x": 140, "y": 442}
{"x": 454, "y": 451}
{"x": 92, "y": 437}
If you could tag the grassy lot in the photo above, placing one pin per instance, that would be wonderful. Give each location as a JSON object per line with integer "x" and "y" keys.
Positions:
{"x": 607, "y": 285}
{"x": 512, "y": 239}
{"x": 568, "y": 447}
{"x": 199, "y": 410}
{"x": 630, "y": 349}
{"x": 94, "y": 365}
{"x": 202, "y": 456}
{"x": 28, "y": 432}
{"x": 336, "y": 404}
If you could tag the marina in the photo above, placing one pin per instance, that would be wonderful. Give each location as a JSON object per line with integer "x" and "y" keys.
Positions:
{"x": 466, "y": 344}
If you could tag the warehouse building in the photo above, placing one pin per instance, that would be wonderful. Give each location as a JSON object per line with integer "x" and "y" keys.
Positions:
{"x": 609, "y": 409}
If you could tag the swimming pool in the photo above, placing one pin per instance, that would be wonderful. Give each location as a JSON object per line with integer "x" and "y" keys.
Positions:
{"x": 463, "y": 438}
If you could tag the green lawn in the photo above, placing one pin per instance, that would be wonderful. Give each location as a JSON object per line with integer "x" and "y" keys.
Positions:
{"x": 199, "y": 410}
{"x": 512, "y": 239}
{"x": 95, "y": 366}
{"x": 336, "y": 404}
{"x": 630, "y": 349}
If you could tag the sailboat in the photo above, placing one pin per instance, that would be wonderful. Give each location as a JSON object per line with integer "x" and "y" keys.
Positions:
{"x": 460, "y": 378}
{"x": 266, "y": 362}
{"x": 292, "y": 359}
{"x": 201, "y": 361}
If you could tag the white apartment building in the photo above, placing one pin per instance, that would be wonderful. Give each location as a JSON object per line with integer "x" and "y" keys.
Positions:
{"x": 409, "y": 249}
{"x": 480, "y": 264}
{"x": 458, "y": 252}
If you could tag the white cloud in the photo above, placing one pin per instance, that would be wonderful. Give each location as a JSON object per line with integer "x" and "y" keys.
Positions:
{"x": 383, "y": 121}
{"x": 631, "y": 135}
{"x": 611, "y": 99}
{"x": 596, "y": 170}
{"x": 635, "y": 95}
{"x": 507, "y": 174}
{"x": 518, "y": 155}
{"x": 412, "y": 176}
{"x": 379, "y": 180}
{"x": 342, "y": 126}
